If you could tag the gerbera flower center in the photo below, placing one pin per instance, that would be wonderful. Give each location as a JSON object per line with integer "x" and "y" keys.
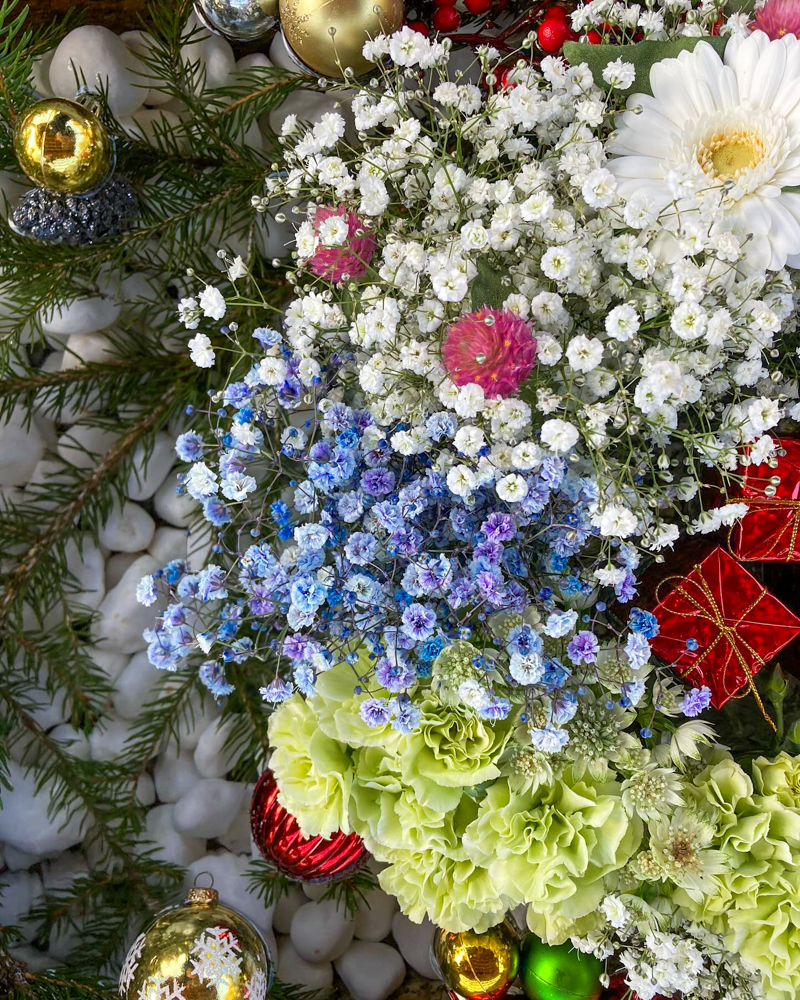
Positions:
{"x": 729, "y": 154}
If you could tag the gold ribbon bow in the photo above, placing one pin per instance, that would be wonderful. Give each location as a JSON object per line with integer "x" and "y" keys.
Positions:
{"x": 781, "y": 503}
{"x": 711, "y": 612}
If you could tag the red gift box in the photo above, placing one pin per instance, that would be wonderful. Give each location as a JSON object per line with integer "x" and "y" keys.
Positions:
{"x": 737, "y": 623}
{"x": 770, "y": 530}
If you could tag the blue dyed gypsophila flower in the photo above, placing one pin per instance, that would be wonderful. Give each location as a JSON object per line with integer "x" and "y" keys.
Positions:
{"x": 696, "y": 701}
{"x": 146, "y": 592}
{"x": 189, "y": 447}
{"x": 212, "y": 674}
{"x": 375, "y": 712}
{"x": 643, "y": 622}
{"x": 583, "y": 648}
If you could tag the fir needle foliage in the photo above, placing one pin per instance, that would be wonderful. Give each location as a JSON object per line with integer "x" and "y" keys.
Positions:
{"x": 195, "y": 183}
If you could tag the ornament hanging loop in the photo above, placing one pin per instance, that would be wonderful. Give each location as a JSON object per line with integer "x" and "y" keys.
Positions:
{"x": 203, "y": 895}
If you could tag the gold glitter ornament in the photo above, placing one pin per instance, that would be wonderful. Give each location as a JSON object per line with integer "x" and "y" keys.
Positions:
{"x": 197, "y": 950}
{"x": 327, "y": 36}
{"x": 63, "y": 146}
{"x": 478, "y": 966}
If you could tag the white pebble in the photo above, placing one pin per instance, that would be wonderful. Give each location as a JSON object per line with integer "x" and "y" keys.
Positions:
{"x": 40, "y": 74}
{"x": 122, "y": 618}
{"x": 414, "y": 941}
{"x": 136, "y": 685}
{"x": 297, "y": 971}
{"x": 76, "y": 743}
{"x": 150, "y": 125}
{"x": 101, "y": 56}
{"x": 18, "y": 861}
{"x": 238, "y": 837}
{"x": 35, "y": 960}
{"x": 86, "y": 564}
{"x": 175, "y": 774}
{"x": 24, "y": 820}
{"x": 214, "y": 53}
{"x": 168, "y": 843}
{"x": 107, "y": 739}
{"x": 313, "y": 891}
{"x": 21, "y": 448}
{"x": 374, "y": 915}
{"x": 145, "y": 790}
{"x": 81, "y": 316}
{"x": 140, "y": 42}
{"x": 285, "y": 909}
{"x": 209, "y": 808}
{"x": 128, "y": 528}
{"x": 322, "y": 931}
{"x": 230, "y": 880}
{"x": 174, "y": 508}
{"x": 107, "y": 661}
{"x": 47, "y": 429}
{"x": 193, "y": 724}
{"x": 210, "y": 757}
{"x": 168, "y": 544}
{"x": 371, "y": 971}
{"x": 150, "y": 468}
{"x": 21, "y": 892}
{"x": 84, "y": 446}
{"x": 198, "y": 546}
{"x": 117, "y": 565}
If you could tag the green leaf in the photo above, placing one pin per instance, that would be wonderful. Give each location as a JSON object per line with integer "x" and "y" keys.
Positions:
{"x": 487, "y": 287}
{"x": 643, "y": 55}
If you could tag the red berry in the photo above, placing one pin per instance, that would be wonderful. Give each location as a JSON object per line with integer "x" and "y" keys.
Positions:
{"x": 419, "y": 26}
{"x": 478, "y": 6}
{"x": 555, "y": 12}
{"x": 552, "y": 35}
{"x": 594, "y": 37}
{"x": 446, "y": 19}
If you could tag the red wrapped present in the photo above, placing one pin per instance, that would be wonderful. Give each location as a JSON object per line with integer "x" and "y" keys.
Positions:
{"x": 718, "y": 626}
{"x": 769, "y": 530}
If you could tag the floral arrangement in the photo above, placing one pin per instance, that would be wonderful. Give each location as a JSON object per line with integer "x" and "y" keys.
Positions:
{"x": 540, "y": 310}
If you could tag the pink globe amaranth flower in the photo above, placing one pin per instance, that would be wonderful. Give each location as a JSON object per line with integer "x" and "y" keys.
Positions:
{"x": 778, "y": 18}
{"x": 491, "y": 347}
{"x": 352, "y": 258}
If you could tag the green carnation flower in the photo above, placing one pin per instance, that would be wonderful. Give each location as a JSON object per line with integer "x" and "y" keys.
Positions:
{"x": 552, "y": 845}
{"x": 314, "y": 773}
{"x": 452, "y": 750}
{"x": 338, "y": 707}
{"x": 780, "y": 777}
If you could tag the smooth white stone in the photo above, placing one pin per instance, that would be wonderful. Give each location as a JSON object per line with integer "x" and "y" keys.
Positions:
{"x": 285, "y": 909}
{"x": 209, "y": 808}
{"x": 214, "y": 53}
{"x": 145, "y": 790}
{"x": 47, "y": 473}
{"x": 315, "y": 892}
{"x": 122, "y": 618}
{"x": 136, "y": 685}
{"x": 62, "y": 871}
{"x": 22, "y": 891}
{"x": 47, "y": 428}
{"x": 150, "y": 470}
{"x": 374, "y": 915}
{"x": 148, "y": 125}
{"x": 23, "y": 747}
{"x": 139, "y": 43}
{"x": 84, "y": 446}
{"x": 168, "y": 844}
{"x": 296, "y": 970}
{"x": 128, "y": 528}
{"x": 192, "y": 726}
{"x": 21, "y": 448}
{"x": 209, "y": 757}
{"x": 117, "y": 565}
{"x": 414, "y": 942}
{"x": 48, "y": 710}
{"x": 87, "y": 566}
{"x": 24, "y": 822}
{"x": 40, "y": 74}
{"x": 35, "y": 960}
{"x": 107, "y": 739}
{"x": 199, "y": 543}
{"x": 256, "y": 60}
{"x": 321, "y": 932}
{"x": 230, "y": 880}
{"x": 108, "y": 661}
{"x": 175, "y": 774}
{"x": 85, "y": 315}
{"x": 101, "y": 56}
{"x": 306, "y": 104}
{"x": 18, "y": 861}
{"x": 85, "y": 348}
{"x": 371, "y": 971}
{"x": 11, "y": 189}
{"x": 134, "y": 290}
{"x": 168, "y": 544}
{"x": 237, "y": 839}
{"x": 176, "y": 509}
{"x": 279, "y": 54}
{"x": 76, "y": 743}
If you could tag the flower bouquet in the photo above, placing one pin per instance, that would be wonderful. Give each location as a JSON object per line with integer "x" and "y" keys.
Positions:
{"x": 540, "y": 311}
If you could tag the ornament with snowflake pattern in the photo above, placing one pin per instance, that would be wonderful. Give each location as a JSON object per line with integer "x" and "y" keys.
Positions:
{"x": 257, "y": 989}
{"x": 160, "y": 988}
{"x": 216, "y": 955}
{"x": 131, "y": 964}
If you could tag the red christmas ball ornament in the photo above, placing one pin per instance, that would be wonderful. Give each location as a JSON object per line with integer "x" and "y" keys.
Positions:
{"x": 446, "y": 19}
{"x": 553, "y": 32}
{"x": 305, "y": 859}
{"x": 419, "y": 26}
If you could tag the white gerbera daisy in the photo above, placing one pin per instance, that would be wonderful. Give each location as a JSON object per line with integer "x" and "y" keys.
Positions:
{"x": 722, "y": 136}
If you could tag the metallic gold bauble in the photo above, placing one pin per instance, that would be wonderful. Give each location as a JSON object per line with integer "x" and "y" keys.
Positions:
{"x": 327, "y": 36}
{"x": 478, "y": 966}
{"x": 63, "y": 146}
{"x": 558, "y": 972}
{"x": 238, "y": 20}
{"x": 198, "y": 950}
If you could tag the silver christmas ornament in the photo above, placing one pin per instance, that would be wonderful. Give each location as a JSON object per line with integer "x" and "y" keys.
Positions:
{"x": 238, "y": 20}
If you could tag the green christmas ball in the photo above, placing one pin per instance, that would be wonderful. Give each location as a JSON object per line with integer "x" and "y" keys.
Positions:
{"x": 558, "y": 972}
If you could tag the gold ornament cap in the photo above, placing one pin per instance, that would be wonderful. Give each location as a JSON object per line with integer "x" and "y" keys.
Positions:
{"x": 62, "y": 146}
{"x": 201, "y": 896}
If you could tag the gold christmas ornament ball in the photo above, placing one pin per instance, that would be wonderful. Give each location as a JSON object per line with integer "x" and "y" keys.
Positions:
{"x": 238, "y": 20}
{"x": 478, "y": 966}
{"x": 63, "y": 146}
{"x": 327, "y": 36}
{"x": 197, "y": 950}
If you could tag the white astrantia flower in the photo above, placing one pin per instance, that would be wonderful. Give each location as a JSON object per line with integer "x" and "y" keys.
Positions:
{"x": 729, "y": 131}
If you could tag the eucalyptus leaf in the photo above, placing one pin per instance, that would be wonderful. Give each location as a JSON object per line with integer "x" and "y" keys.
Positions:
{"x": 487, "y": 287}
{"x": 643, "y": 55}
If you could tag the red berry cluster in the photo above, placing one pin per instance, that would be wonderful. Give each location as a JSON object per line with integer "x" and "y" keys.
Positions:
{"x": 554, "y": 30}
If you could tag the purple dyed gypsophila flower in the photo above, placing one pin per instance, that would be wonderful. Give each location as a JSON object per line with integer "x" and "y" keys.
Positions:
{"x": 495, "y": 709}
{"x": 277, "y": 691}
{"x": 189, "y": 446}
{"x": 375, "y": 712}
{"x": 361, "y": 548}
{"x": 394, "y": 676}
{"x": 419, "y": 622}
{"x": 696, "y": 701}
{"x": 406, "y": 716}
{"x": 499, "y": 527}
{"x": 583, "y": 648}
{"x": 637, "y": 649}
{"x": 378, "y": 482}
{"x": 548, "y": 739}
